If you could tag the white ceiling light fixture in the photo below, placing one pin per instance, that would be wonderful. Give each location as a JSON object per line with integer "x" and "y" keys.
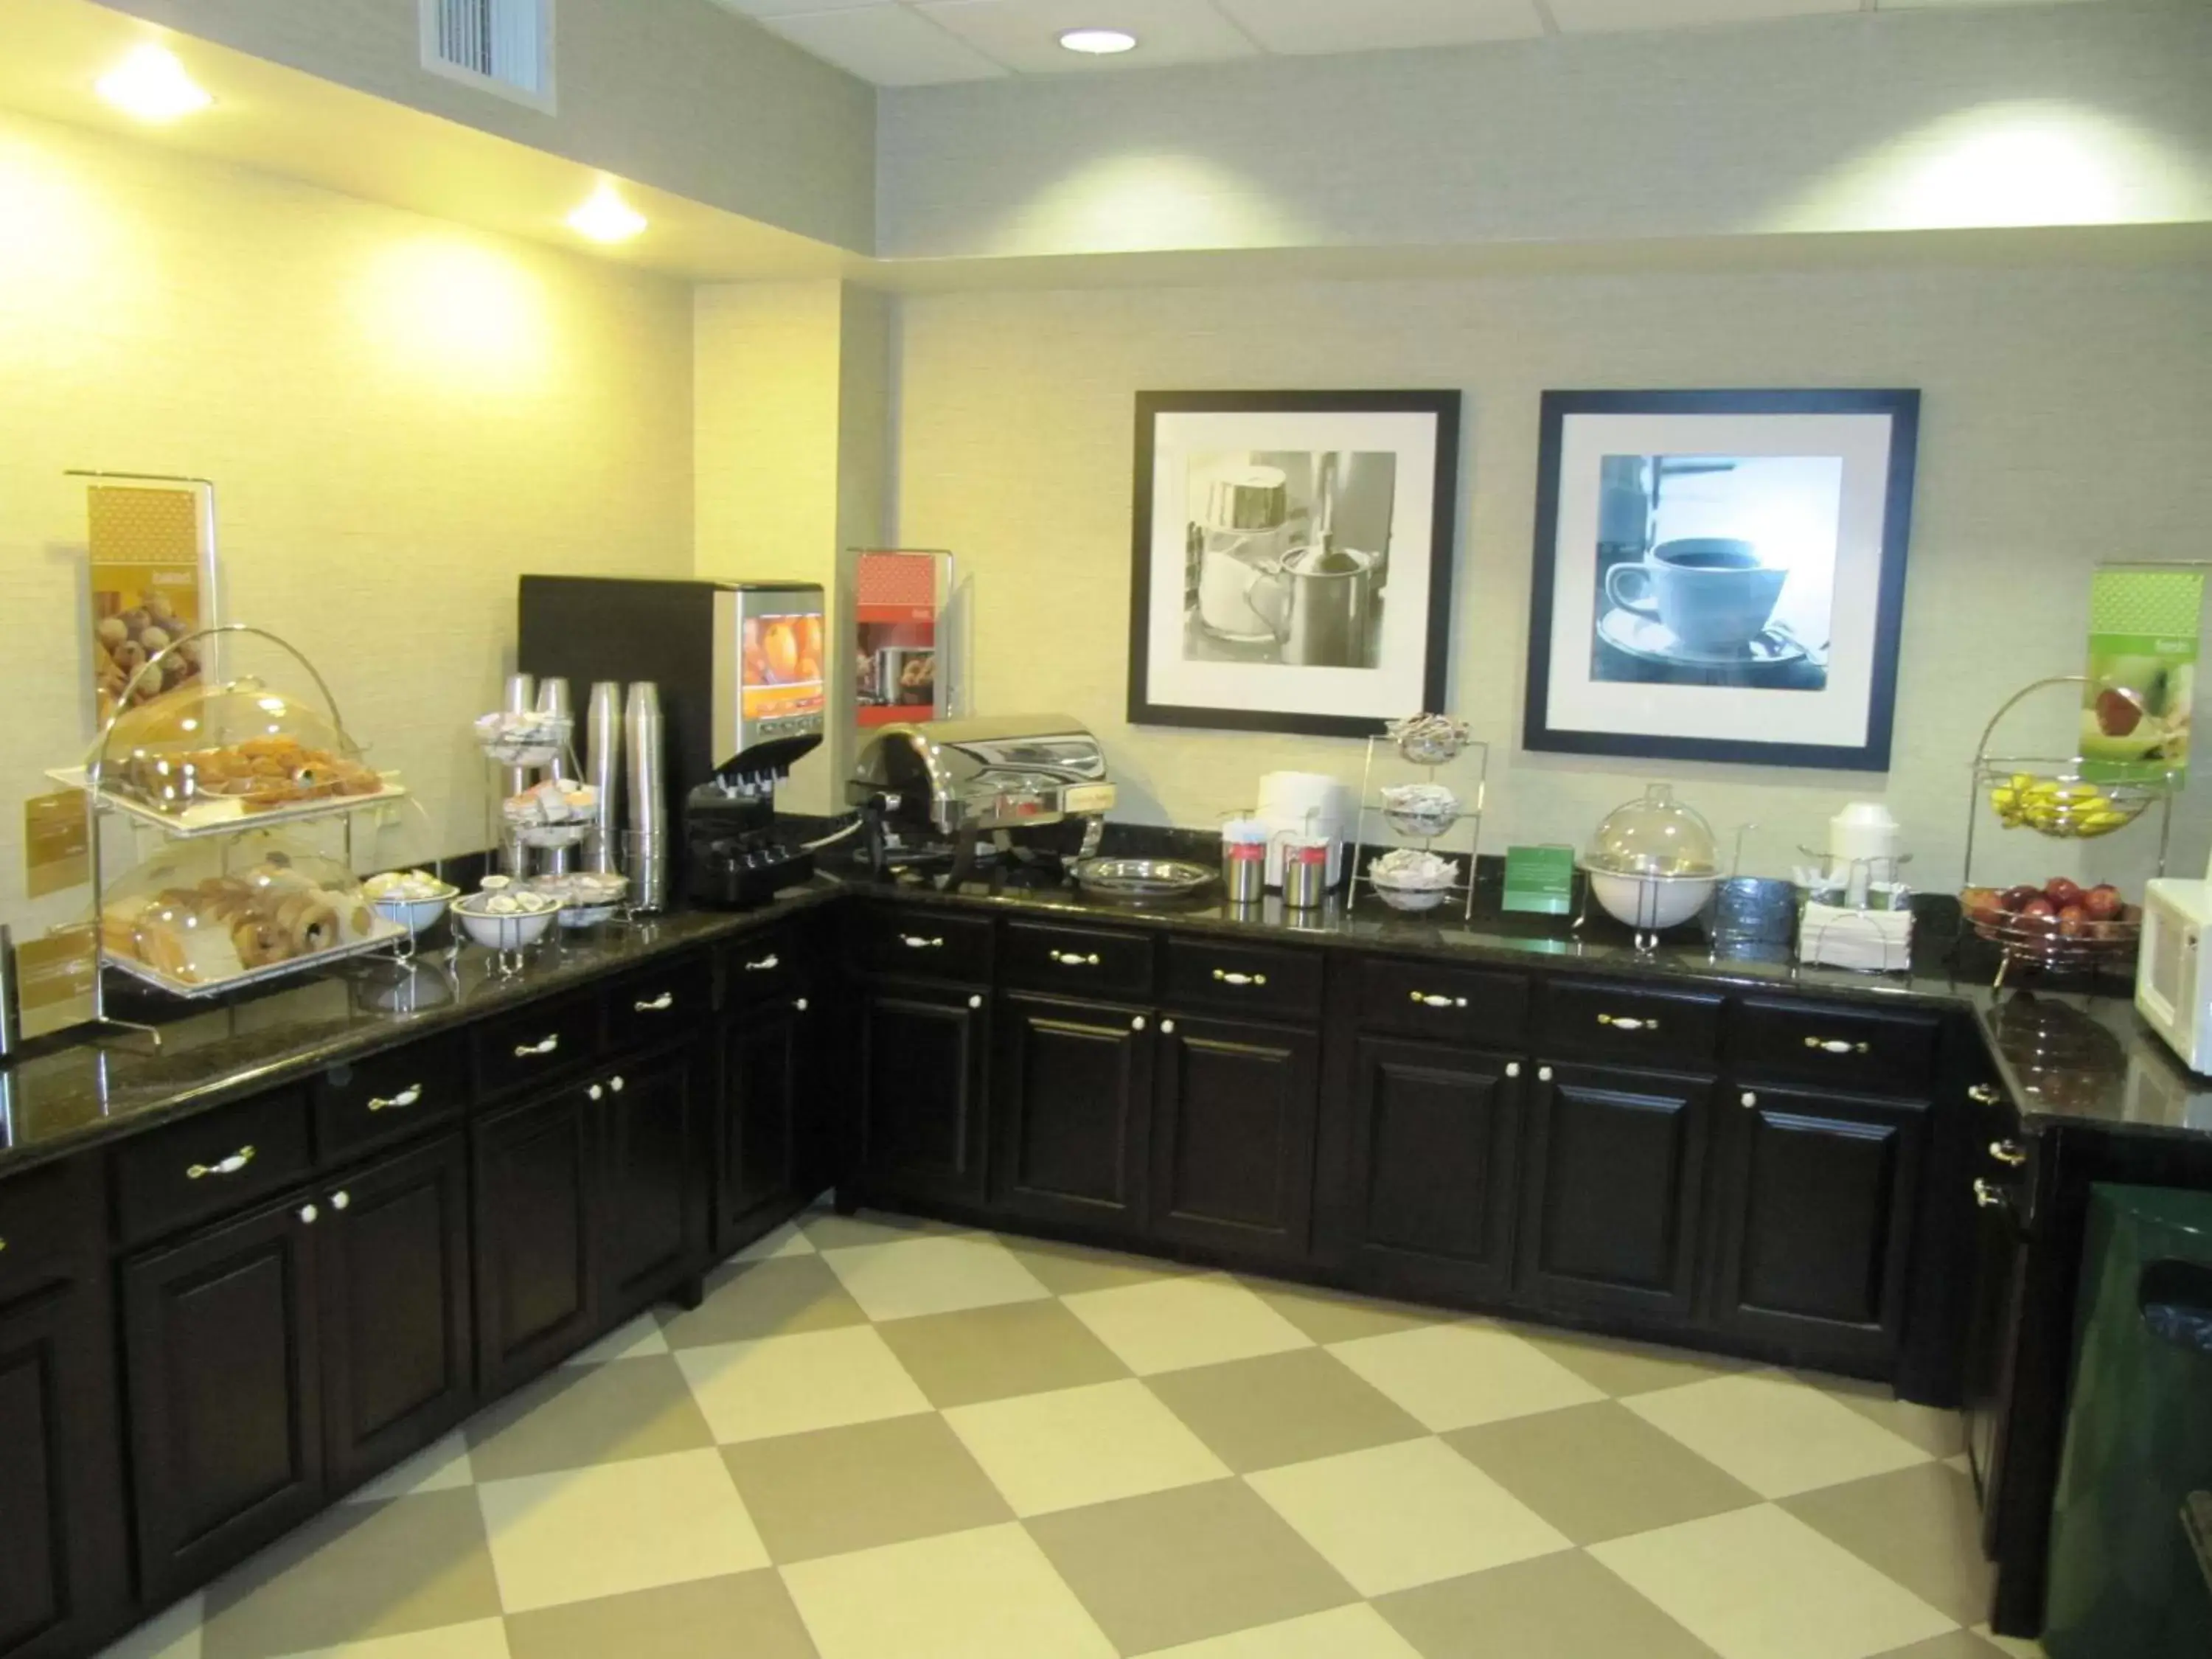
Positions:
{"x": 152, "y": 85}
{"x": 606, "y": 217}
{"x": 1099, "y": 43}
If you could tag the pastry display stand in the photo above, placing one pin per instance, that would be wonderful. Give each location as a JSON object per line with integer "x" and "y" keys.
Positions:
{"x": 1467, "y": 774}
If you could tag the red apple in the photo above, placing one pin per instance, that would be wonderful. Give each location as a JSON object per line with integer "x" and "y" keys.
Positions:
{"x": 2061, "y": 892}
{"x": 2039, "y": 913}
{"x": 2103, "y": 901}
{"x": 2019, "y": 898}
{"x": 2074, "y": 921}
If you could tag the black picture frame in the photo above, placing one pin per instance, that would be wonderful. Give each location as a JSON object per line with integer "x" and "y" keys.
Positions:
{"x": 1436, "y": 630}
{"x": 1900, "y": 407}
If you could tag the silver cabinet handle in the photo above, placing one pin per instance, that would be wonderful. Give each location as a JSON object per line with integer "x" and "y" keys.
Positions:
{"x": 1836, "y": 1046}
{"x": 1748, "y": 1101}
{"x": 975, "y": 1002}
{"x": 615, "y": 1083}
{"x": 341, "y": 1199}
{"x": 1543, "y": 1074}
{"x": 533, "y": 1050}
{"x": 1985, "y": 1094}
{"x": 659, "y": 1005}
{"x": 398, "y": 1102}
{"x": 916, "y": 942}
{"x": 1167, "y": 1026}
{"x": 596, "y": 1092}
{"x": 1431, "y": 1000}
{"x": 1628, "y": 1023}
{"x": 1228, "y": 978}
{"x": 800, "y": 1004}
{"x": 309, "y": 1215}
{"x": 2009, "y": 1152}
{"x": 1138, "y": 1023}
{"x": 1988, "y": 1196}
{"x": 1513, "y": 1068}
{"x": 767, "y": 964}
{"x": 228, "y": 1166}
{"x": 1075, "y": 959}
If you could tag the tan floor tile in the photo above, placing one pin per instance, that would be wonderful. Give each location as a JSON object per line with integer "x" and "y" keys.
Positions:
{"x": 1958, "y": 1644}
{"x": 1621, "y": 1368}
{"x": 1600, "y": 1471}
{"x": 1181, "y": 1566}
{"x": 1918, "y": 1525}
{"x": 1556, "y": 1606}
{"x": 639, "y": 1340}
{"x": 1063, "y": 1269}
{"x": 439, "y": 1467}
{"x": 355, "y": 1573}
{"x": 1202, "y": 1320}
{"x": 990, "y": 1354}
{"x": 932, "y": 1276}
{"x": 172, "y": 1634}
{"x": 1452, "y": 1376}
{"x": 622, "y": 1527}
{"x": 1775, "y": 1435}
{"x": 856, "y": 1488}
{"x": 1282, "y": 1408}
{"x": 1761, "y": 1585}
{"x": 1339, "y": 1315}
{"x": 827, "y": 1231}
{"x": 748, "y": 1614}
{"x": 793, "y": 1384}
{"x": 1411, "y": 1514}
{"x": 573, "y": 1417}
{"x": 1076, "y": 1446}
{"x": 481, "y": 1638}
{"x": 1354, "y": 1633}
{"x": 2008, "y": 1644}
{"x": 989, "y": 1594}
{"x": 781, "y": 1297}
{"x": 1939, "y": 1431}
{"x": 789, "y": 1239}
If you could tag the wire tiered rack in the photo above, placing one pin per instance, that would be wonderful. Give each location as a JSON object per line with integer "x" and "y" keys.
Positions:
{"x": 1461, "y": 767}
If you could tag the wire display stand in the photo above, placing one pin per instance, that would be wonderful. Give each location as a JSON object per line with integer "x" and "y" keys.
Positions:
{"x": 1382, "y": 828}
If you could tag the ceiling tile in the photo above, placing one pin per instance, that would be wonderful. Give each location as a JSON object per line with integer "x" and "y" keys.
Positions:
{"x": 1588, "y": 16}
{"x": 1923, "y": 5}
{"x": 792, "y": 8}
{"x": 1024, "y": 34}
{"x": 888, "y": 45}
{"x": 1325, "y": 26}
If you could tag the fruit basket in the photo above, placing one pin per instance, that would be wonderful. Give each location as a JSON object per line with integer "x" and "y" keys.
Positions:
{"x": 2055, "y": 800}
{"x": 2060, "y": 925}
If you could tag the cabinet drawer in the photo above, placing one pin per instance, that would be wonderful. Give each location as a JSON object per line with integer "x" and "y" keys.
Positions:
{"x": 548, "y": 1039}
{"x": 922, "y": 944}
{"x": 1260, "y": 981}
{"x": 1606, "y": 1024}
{"x": 49, "y": 1223}
{"x": 1078, "y": 961}
{"x": 761, "y": 967}
{"x": 657, "y": 1005}
{"x": 209, "y": 1164}
{"x": 1858, "y": 1049}
{"x": 368, "y": 1102}
{"x": 1446, "y": 1002}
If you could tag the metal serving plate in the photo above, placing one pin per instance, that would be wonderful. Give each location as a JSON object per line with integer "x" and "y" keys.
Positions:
{"x": 1142, "y": 881}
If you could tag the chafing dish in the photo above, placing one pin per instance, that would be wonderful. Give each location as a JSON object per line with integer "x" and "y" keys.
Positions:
{"x": 933, "y": 783}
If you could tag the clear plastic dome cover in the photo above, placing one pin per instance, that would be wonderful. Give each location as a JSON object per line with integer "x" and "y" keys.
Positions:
{"x": 1654, "y": 835}
{"x": 201, "y": 912}
{"x": 238, "y": 742}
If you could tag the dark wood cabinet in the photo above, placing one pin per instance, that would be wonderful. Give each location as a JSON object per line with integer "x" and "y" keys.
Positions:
{"x": 1432, "y": 1180}
{"x": 921, "y": 1059}
{"x": 536, "y": 1215}
{"x": 1814, "y": 1200}
{"x": 221, "y": 1365}
{"x": 763, "y": 1158}
{"x": 654, "y": 1181}
{"x": 1612, "y": 1191}
{"x": 1233, "y": 1136}
{"x": 1073, "y": 1111}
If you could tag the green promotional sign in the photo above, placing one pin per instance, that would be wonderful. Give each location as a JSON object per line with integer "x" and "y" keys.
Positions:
{"x": 1540, "y": 880}
{"x": 2142, "y": 673}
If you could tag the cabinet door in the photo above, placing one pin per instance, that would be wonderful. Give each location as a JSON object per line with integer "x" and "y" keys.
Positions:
{"x": 1233, "y": 1136}
{"x": 1815, "y": 1198}
{"x": 657, "y": 1182}
{"x": 921, "y": 1065}
{"x": 398, "y": 1371}
{"x": 1073, "y": 1111}
{"x": 761, "y": 1155}
{"x": 1434, "y": 1173}
{"x": 536, "y": 1233}
{"x": 1610, "y": 1205}
{"x": 221, "y": 1359}
{"x": 62, "y": 1572}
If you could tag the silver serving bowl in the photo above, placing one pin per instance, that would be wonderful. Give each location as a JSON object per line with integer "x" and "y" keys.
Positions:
{"x": 1142, "y": 881}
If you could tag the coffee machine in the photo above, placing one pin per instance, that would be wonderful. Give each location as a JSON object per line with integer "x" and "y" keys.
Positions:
{"x": 743, "y": 695}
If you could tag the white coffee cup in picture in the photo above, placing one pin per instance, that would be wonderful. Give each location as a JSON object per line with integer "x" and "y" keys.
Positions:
{"x": 1711, "y": 592}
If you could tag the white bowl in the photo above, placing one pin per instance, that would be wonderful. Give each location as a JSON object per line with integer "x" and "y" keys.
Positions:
{"x": 1649, "y": 903}
{"x": 413, "y": 915}
{"x": 504, "y": 932}
{"x": 551, "y": 836}
{"x": 1409, "y": 898}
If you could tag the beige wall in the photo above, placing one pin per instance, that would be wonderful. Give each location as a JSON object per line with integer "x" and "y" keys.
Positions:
{"x": 2065, "y": 420}
{"x": 401, "y": 416}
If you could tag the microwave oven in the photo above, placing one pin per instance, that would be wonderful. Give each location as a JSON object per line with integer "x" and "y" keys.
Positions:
{"x": 2174, "y": 991}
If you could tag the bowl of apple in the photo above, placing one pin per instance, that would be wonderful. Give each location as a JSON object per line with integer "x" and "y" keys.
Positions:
{"x": 2061, "y": 924}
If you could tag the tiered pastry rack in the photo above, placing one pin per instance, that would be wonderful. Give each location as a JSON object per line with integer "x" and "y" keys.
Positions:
{"x": 1467, "y": 774}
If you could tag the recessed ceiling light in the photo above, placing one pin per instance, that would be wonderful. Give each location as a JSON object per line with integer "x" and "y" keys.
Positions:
{"x": 606, "y": 217}
{"x": 152, "y": 85}
{"x": 1099, "y": 43}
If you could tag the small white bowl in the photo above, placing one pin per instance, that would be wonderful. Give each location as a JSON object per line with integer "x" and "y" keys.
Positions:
{"x": 516, "y": 932}
{"x": 1411, "y": 899}
{"x": 551, "y": 836}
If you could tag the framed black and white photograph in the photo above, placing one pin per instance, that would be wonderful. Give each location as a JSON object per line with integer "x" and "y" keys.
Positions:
{"x": 1719, "y": 575}
{"x": 1293, "y": 556}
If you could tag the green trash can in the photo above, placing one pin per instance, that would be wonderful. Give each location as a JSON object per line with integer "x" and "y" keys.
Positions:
{"x": 2124, "y": 1580}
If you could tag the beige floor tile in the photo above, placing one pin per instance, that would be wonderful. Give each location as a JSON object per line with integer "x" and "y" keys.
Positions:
{"x": 1963, "y": 1463}
{"x": 1600, "y": 1471}
{"x": 1452, "y": 1376}
{"x": 2008, "y": 1644}
{"x": 576, "y": 1416}
{"x": 173, "y": 1634}
{"x": 355, "y": 1573}
{"x": 1938, "y": 1432}
{"x": 788, "y": 1240}
{"x": 989, "y": 1594}
{"x": 1184, "y": 1565}
{"x": 747, "y": 1615}
{"x": 784, "y": 1296}
{"x": 1354, "y": 1633}
{"x": 1557, "y": 1606}
{"x": 1775, "y": 1435}
{"x": 827, "y": 1231}
{"x": 639, "y": 1340}
{"x": 1958, "y": 1644}
{"x": 481, "y": 1638}
{"x": 1088, "y": 1445}
{"x": 793, "y": 1384}
{"x": 857, "y": 1488}
{"x": 1202, "y": 1320}
{"x": 439, "y": 1467}
{"x": 1063, "y": 1269}
{"x": 1339, "y": 1315}
{"x": 1918, "y": 1525}
{"x": 1621, "y": 1368}
{"x": 1282, "y": 1408}
{"x": 990, "y": 1354}
{"x": 1410, "y": 1513}
{"x": 1759, "y": 1583}
{"x": 629, "y": 1526}
{"x": 932, "y": 1276}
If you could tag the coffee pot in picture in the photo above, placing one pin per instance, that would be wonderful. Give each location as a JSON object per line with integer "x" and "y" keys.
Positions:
{"x": 1316, "y": 601}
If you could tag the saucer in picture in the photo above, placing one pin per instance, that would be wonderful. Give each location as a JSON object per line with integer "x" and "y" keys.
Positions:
{"x": 1650, "y": 640}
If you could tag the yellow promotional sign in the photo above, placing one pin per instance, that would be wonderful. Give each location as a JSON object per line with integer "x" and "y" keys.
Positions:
{"x": 55, "y": 970}
{"x": 152, "y": 561}
{"x": 57, "y": 844}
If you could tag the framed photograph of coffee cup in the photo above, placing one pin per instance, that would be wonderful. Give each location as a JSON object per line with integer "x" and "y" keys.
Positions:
{"x": 1292, "y": 562}
{"x": 1719, "y": 575}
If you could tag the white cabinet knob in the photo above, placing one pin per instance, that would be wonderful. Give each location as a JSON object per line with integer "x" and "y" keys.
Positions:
{"x": 975, "y": 1002}
{"x": 1749, "y": 1101}
{"x": 615, "y": 1083}
{"x": 308, "y": 1215}
{"x": 1167, "y": 1026}
{"x": 1543, "y": 1074}
{"x": 597, "y": 1093}
{"x": 1513, "y": 1068}
{"x": 1138, "y": 1023}
{"x": 800, "y": 1004}
{"x": 341, "y": 1199}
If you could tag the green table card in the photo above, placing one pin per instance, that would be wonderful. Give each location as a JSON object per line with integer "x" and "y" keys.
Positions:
{"x": 1540, "y": 880}
{"x": 2143, "y": 674}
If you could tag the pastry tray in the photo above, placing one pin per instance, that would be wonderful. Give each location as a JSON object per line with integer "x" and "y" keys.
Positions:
{"x": 385, "y": 933}
{"x": 226, "y": 817}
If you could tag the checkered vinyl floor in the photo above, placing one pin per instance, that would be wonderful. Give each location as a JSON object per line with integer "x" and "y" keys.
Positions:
{"x": 886, "y": 1439}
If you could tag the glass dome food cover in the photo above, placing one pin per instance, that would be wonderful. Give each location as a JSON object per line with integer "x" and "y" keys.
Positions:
{"x": 1654, "y": 835}
{"x": 240, "y": 744}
